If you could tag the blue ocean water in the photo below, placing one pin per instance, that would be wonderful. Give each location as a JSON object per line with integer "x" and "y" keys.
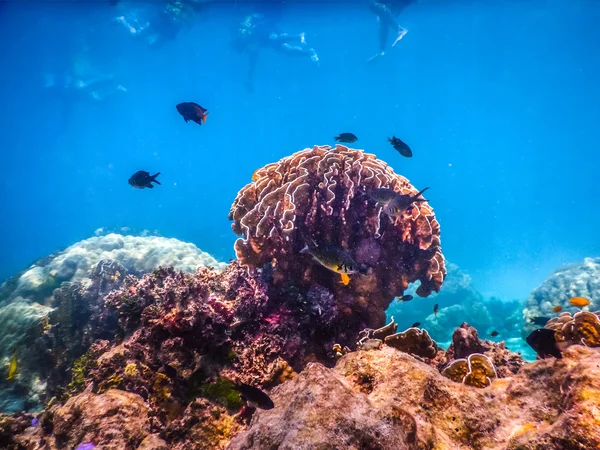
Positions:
{"x": 498, "y": 100}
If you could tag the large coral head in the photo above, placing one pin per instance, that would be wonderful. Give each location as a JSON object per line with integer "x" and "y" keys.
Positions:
{"x": 321, "y": 193}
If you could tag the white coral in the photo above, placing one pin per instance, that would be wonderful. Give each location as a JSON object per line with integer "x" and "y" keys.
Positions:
{"x": 138, "y": 254}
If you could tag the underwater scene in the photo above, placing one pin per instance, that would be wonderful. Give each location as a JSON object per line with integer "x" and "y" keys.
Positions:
{"x": 299, "y": 225}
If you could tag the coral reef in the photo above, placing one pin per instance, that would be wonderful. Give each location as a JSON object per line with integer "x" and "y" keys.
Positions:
{"x": 386, "y": 399}
{"x": 321, "y": 193}
{"x": 174, "y": 339}
{"x": 575, "y": 280}
{"x": 466, "y": 342}
{"x": 70, "y": 287}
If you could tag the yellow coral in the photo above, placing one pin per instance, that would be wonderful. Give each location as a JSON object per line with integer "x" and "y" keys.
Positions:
{"x": 131, "y": 371}
{"x": 481, "y": 371}
{"x": 519, "y": 432}
{"x": 161, "y": 388}
{"x": 456, "y": 370}
{"x": 477, "y": 371}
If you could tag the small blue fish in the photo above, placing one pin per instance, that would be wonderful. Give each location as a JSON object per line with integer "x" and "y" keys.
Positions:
{"x": 86, "y": 446}
{"x": 35, "y": 422}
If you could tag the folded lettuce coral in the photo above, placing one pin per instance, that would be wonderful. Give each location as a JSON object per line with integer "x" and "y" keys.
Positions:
{"x": 322, "y": 192}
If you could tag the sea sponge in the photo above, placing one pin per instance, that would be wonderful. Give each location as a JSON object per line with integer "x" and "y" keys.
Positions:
{"x": 321, "y": 193}
{"x": 414, "y": 341}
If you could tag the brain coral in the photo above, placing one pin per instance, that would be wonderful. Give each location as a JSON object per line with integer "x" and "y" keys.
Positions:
{"x": 321, "y": 192}
{"x": 138, "y": 254}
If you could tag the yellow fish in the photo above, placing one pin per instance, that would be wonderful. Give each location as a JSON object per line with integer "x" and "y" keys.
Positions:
{"x": 345, "y": 279}
{"x": 255, "y": 175}
{"x": 12, "y": 368}
{"x": 579, "y": 301}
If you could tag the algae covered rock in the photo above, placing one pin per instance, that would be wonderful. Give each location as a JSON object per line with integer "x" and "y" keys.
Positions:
{"x": 371, "y": 396}
{"x": 115, "y": 420}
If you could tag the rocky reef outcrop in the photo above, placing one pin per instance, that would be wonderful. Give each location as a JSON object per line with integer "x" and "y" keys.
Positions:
{"x": 386, "y": 399}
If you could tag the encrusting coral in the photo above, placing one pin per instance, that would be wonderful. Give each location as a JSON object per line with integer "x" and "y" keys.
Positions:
{"x": 322, "y": 193}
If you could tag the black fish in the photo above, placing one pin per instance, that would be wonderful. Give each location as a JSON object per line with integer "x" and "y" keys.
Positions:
{"x": 494, "y": 333}
{"x": 415, "y": 325}
{"x": 405, "y": 298}
{"x": 402, "y": 148}
{"x": 142, "y": 179}
{"x": 402, "y": 202}
{"x": 436, "y": 308}
{"x": 346, "y": 137}
{"x": 192, "y": 111}
{"x": 543, "y": 342}
{"x": 382, "y": 195}
{"x": 254, "y": 396}
{"x": 539, "y": 320}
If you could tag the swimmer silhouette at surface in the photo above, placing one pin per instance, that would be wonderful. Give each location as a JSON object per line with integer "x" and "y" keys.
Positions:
{"x": 260, "y": 30}
{"x": 386, "y": 12}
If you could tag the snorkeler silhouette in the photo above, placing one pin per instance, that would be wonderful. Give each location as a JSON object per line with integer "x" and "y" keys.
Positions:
{"x": 260, "y": 31}
{"x": 386, "y": 12}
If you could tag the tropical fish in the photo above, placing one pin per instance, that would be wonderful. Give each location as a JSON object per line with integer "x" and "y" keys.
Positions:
{"x": 331, "y": 257}
{"x": 382, "y": 195}
{"x": 494, "y": 333}
{"x": 402, "y": 148}
{"x": 539, "y": 320}
{"x": 142, "y": 179}
{"x": 557, "y": 308}
{"x": 255, "y": 175}
{"x": 192, "y": 111}
{"x": 405, "y": 298}
{"x": 544, "y": 343}
{"x": 35, "y": 422}
{"x": 346, "y": 137}
{"x": 579, "y": 301}
{"x": 402, "y": 202}
{"x": 415, "y": 325}
{"x": 12, "y": 367}
{"x": 254, "y": 396}
{"x": 436, "y": 308}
